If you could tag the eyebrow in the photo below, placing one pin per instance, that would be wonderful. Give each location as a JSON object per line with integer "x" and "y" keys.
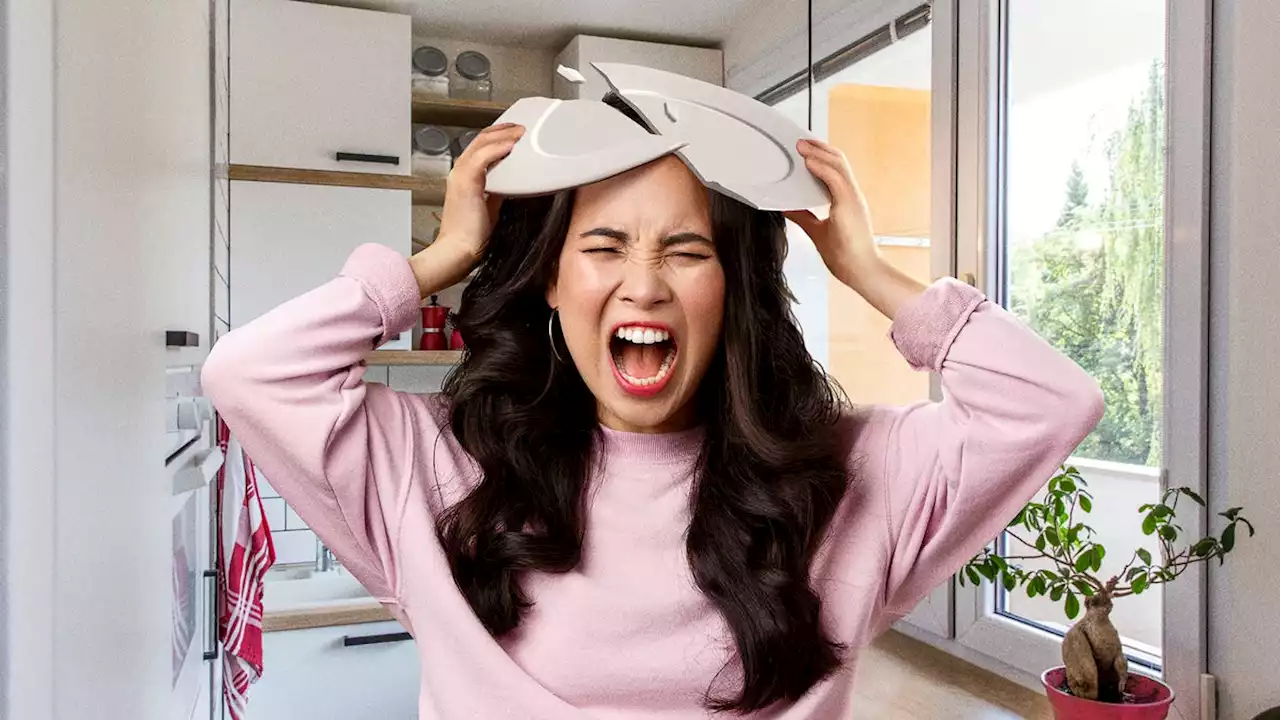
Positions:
{"x": 676, "y": 239}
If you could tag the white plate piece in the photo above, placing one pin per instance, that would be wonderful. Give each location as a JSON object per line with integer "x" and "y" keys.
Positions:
{"x": 734, "y": 144}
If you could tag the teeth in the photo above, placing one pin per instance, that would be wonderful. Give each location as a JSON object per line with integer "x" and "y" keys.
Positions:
{"x": 642, "y": 336}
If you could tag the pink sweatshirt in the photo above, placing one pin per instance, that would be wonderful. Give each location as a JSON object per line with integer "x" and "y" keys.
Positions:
{"x": 627, "y": 635}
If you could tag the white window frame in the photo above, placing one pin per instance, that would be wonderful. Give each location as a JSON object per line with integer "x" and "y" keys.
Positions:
{"x": 975, "y": 125}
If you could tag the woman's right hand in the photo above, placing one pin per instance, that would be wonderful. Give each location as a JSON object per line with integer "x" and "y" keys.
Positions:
{"x": 469, "y": 212}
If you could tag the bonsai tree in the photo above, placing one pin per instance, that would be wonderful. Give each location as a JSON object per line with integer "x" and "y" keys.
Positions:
{"x": 1053, "y": 531}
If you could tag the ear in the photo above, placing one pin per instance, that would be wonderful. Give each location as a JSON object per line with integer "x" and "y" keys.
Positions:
{"x": 553, "y": 297}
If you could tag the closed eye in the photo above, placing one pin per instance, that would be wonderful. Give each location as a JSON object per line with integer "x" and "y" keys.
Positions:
{"x": 697, "y": 256}
{"x": 612, "y": 250}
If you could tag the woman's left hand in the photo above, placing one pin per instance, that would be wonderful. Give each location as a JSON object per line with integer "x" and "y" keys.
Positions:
{"x": 844, "y": 239}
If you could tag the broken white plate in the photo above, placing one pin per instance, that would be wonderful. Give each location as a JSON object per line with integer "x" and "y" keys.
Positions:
{"x": 733, "y": 143}
{"x": 568, "y": 143}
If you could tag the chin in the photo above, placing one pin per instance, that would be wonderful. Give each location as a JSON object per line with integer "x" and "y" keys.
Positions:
{"x": 643, "y": 416}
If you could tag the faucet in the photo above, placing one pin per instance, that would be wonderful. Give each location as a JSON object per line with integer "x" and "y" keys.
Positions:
{"x": 325, "y": 559}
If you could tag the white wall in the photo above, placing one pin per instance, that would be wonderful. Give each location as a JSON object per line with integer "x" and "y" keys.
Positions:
{"x": 110, "y": 111}
{"x": 1244, "y": 405}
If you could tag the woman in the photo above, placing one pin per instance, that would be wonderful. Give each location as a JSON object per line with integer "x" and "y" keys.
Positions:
{"x": 638, "y": 496}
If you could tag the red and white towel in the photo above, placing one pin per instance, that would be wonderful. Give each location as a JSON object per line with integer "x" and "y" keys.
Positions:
{"x": 245, "y": 553}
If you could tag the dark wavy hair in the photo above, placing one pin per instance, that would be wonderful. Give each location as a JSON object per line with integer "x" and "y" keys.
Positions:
{"x": 770, "y": 473}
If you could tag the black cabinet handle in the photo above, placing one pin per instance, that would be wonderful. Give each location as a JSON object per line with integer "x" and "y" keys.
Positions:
{"x": 354, "y": 640}
{"x": 362, "y": 157}
{"x": 181, "y": 338}
{"x": 213, "y": 615}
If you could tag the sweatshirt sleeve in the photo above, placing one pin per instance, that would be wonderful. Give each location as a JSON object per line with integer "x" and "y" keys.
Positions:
{"x": 342, "y": 453}
{"x": 957, "y": 471}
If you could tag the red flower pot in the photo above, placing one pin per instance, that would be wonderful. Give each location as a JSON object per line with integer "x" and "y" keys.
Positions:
{"x": 1152, "y": 699}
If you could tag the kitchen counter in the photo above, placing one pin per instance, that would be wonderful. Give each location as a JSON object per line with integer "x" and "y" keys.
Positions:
{"x": 296, "y": 598}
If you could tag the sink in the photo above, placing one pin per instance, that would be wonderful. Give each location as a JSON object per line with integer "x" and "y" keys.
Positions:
{"x": 302, "y": 587}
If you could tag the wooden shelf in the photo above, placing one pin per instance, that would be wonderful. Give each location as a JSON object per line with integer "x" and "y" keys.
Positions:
{"x": 438, "y": 358}
{"x": 426, "y": 191}
{"x": 438, "y": 110}
{"x": 429, "y": 191}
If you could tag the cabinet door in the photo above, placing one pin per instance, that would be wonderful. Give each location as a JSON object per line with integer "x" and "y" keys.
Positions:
{"x": 288, "y": 239}
{"x": 313, "y": 675}
{"x": 310, "y": 81}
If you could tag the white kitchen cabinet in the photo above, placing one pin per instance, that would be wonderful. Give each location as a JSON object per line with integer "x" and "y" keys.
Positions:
{"x": 288, "y": 239}
{"x": 311, "y": 81}
{"x": 706, "y": 64}
{"x": 313, "y": 675}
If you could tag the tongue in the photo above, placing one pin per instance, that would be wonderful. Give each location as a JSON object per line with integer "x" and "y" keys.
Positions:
{"x": 642, "y": 361}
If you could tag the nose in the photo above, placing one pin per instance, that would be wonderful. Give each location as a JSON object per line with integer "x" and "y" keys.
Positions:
{"x": 643, "y": 284}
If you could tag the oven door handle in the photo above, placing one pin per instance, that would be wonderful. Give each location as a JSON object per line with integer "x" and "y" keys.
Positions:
{"x": 211, "y": 645}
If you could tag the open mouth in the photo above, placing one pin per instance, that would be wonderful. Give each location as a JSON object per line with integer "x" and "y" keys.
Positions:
{"x": 644, "y": 354}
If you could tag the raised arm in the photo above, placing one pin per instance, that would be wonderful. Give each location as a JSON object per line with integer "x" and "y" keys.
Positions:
{"x": 950, "y": 474}
{"x": 290, "y": 384}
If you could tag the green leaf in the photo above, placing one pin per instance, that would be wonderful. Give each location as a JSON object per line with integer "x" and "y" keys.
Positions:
{"x": 1140, "y": 583}
{"x": 1086, "y": 504}
{"x": 1149, "y": 524}
{"x": 1083, "y": 588}
{"x": 1056, "y": 595}
{"x": 988, "y": 572}
{"x": 1133, "y": 573}
{"x": 1066, "y": 485}
{"x": 1192, "y": 494}
{"x": 1060, "y": 508}
{"x": 1146, "y": 556}
{"x": 1204, "y": 547}
{"x": 1040, "y": 543}
{"x": 1051, "y": 534}
{"x": 1099, "y": 552}
{"x": 1169, "y": 532}
{"x": 1073, "y": 606}
{"x": 1010, "y": 582}
{"x": 1085, "y": 561}
{"x": 973, "y": 575}
{"x": 1161, "y": 511}
{"x": 1145, "y": 507}
{"x": 1229, "y": 538}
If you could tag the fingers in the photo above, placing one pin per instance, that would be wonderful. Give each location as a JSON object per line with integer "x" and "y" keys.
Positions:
{"x": 489, "y": 146}
{"x": 805, "y": 219}
{"x": 829, "y": 165}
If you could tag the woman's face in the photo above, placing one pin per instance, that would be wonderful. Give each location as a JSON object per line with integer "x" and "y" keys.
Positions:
{"x": 640, "y": 292}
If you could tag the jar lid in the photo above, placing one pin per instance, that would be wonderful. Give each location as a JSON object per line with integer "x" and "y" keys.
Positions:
{"x": 430, "y": 61}
{"x": 465, "y": 139}
{"x": 472, "y": 65}
{"x": 430, "y": 140}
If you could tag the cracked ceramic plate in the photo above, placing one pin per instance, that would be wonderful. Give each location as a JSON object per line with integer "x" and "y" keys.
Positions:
{"x": 568, "y": 143}
{"x": 733, "y": 143}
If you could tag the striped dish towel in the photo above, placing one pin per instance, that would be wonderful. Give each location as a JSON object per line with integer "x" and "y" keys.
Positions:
{"x": 245, "y": 553}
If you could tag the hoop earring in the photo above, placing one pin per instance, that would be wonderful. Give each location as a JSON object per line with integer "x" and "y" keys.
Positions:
{"x": 551, "y": 335}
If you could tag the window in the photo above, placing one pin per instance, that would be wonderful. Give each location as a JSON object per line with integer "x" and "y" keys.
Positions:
{"x": 1071, "y": 241}
{"x": 1080, "y": 248}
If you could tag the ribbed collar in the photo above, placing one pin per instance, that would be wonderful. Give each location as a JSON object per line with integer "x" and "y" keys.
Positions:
{"x": 664, "y": 448}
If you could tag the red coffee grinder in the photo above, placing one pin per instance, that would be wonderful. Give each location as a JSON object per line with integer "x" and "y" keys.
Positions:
{"x": 434, "y": 316}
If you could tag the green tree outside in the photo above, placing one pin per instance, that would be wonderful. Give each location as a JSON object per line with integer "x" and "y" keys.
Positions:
{"x": 1093, "y": 286}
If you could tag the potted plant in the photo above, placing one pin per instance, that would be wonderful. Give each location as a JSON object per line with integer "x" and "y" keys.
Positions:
{"x": 1094, "y": 681}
